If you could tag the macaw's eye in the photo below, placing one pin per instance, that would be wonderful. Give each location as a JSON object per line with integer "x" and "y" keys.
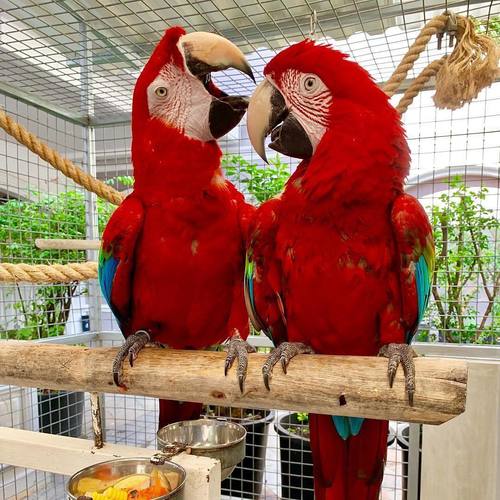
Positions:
{"x": 161, "y": 91}
{"x": 310, "y": 83}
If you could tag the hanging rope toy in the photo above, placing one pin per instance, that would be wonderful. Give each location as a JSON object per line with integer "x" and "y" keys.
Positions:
{"x": 471, "y": 67}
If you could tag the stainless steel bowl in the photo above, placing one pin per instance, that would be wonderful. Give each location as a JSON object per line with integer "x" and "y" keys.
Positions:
{"x": 219, "y": 439}
{"x": 122, "y": 467}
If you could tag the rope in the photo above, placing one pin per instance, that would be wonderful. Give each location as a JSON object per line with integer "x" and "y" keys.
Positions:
{"x": 67, "y": 167}
{"x": 471, "y": 67}
{"x": 42, "y": 273}
{"x": 419, "y": 83}
{"x": 435, "y": 25}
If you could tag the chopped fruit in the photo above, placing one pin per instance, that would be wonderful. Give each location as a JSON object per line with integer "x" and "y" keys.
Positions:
{"x": 134, "y": 482}
{"x": 90, "y": 484}
{"x": 110, "y": 494}
{"x": 105, "y": 473}
{"x": 151, "y": 492}
{"x": 132, "y": 487}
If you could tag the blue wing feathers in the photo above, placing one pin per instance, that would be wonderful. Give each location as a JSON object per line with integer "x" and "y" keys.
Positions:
{"x": 423, "y": 271}
{"x": 423, "y": 285}
{"x": 107, "y": 271}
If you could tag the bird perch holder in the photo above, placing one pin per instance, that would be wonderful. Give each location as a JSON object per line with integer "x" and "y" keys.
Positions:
{"x": 336, "y": 385}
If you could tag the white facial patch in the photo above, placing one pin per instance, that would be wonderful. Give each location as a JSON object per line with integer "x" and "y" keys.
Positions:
{"x": 309, "y": 100}
{"x": 185, "y": 105}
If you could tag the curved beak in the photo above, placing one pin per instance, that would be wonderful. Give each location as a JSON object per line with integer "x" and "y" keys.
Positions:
{"x": 265, "y": 110}
{"x": 268, "y": 114}
{"x": 206, "y": 52}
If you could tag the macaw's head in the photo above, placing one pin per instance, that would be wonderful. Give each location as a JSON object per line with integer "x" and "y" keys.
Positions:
{"x": 175, "y": 89}
{"x": 309, "y": 90}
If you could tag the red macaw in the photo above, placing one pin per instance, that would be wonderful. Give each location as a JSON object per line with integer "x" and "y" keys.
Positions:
{"x": 341, "y": 261}
{"x": 173, "y": 252}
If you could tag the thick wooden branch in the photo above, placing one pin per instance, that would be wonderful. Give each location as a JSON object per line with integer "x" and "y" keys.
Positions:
{"x": 314, "y": 383}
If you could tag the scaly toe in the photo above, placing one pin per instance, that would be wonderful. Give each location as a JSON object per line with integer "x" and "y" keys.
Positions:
{"x": 130, "y": 349}
{"x": 238, "y": 349}
{"x": 401, "y": 354}
{"x": 284, "y": 353}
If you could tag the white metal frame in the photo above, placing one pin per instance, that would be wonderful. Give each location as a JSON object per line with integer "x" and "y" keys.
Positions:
{"x": 65, "y": 455}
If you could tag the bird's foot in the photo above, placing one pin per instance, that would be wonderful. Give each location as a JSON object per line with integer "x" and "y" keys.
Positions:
{"x": 237, "y": 348}
{"x": 401, "y": 354}
{"x": 130, "y": 349}
{"x": 284, "y": 353}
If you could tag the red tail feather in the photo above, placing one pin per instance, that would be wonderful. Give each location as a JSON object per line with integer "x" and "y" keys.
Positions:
{"x": 352, "y": 469}
{"x": 176, "y": 411}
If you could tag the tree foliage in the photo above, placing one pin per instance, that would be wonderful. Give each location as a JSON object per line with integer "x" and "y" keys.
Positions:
{"x": 261, "y": 183}
{"x": 44, "y": 216}
{"x": 467, "y": 279}
{"x": 489, "y": 26}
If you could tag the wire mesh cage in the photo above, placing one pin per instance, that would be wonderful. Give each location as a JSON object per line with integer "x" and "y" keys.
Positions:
{"x": 67, "y": 70}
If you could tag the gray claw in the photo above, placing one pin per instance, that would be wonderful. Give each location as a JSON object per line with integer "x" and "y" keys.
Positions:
{"x": 284, "y": 353}
{"x": 238, "y": 349}
{"x": 266, "y": 380}
{"x": 401, "y": 354}
{"x": 129, "y": 349}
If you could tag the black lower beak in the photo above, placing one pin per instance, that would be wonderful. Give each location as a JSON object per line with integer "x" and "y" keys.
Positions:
{"x": 287, "y": 134}
{"x": 225, "y": 113}
{"x": 291, "y": 139}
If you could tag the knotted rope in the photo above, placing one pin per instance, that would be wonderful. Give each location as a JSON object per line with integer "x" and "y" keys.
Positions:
{"x": 472, "y": 66}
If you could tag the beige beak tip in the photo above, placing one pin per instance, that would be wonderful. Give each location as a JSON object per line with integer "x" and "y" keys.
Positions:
{"x": 258, "y": 116}
{"x": 248, "y": 71}
{"x": 263, "y": 155}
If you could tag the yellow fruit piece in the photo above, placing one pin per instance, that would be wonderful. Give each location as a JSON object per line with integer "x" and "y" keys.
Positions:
{"x": 90, "y": 484}
{"x": 109, "y": 494}
{"x": 114, "y": 493}
{"x": 133, "y": 482}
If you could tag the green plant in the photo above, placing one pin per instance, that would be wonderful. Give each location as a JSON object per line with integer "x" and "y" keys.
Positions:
{"x": 261, "y": 183}
{"x": 123, "y": 180}
{"x": 467, "y": 267}
{"x": 489, "y": 26}
{"x": 44, "y": 216}
{"x": 301, "y": 428}
{"x": 303, "y": 418}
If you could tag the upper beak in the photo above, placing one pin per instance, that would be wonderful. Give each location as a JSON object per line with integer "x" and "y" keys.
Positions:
{"x": 206, "y": 52}
{"x": 266, "y": 109}
{"x": 269, "y": 114}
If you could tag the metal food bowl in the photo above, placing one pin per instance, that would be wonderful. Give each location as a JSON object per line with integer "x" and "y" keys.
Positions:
{"x": 219, "y": 439}
{"x": 122, "y": 467}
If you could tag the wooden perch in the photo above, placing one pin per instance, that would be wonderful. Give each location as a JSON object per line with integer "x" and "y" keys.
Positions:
{"x": 314, "y": 383}
{"x": 60, "y": 244}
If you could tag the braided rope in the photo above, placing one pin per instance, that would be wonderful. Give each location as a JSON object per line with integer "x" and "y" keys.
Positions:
{"x": 435, "y": 25}
{"x": 42, "y": 273}
{"x": 419, "y": 83}
{"x": 50, "y": 155}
